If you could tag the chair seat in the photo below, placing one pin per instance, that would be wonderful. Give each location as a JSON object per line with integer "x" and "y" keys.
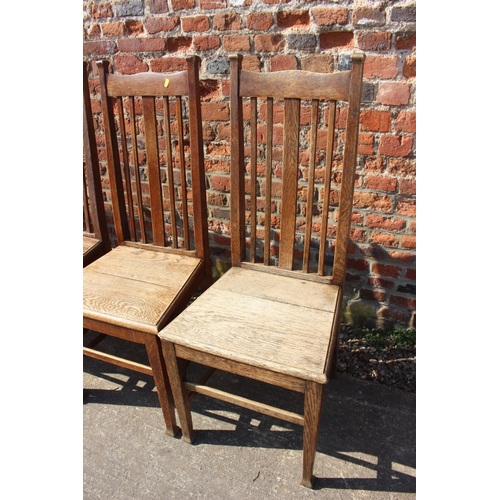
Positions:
{"x": 136, "y": 288}
{"x": 89, "y": 244}
{"x": 280, "y": 323}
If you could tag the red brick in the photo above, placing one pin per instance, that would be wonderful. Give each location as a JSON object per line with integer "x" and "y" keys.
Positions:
{"x": 411, "y": 274}
{"x": 292, "y": 18}
{"x": 269, "y": 43}
{"x": 401, "y": 167}
{"x": 183, "y": 4}
{"x": 177, "y": 43}
{"x": 394, "y": 94}
{"x": 113, "y": 29}
{"x": 383, "y": 239}
{"x": 380, "y": 283}
{"x": 386, "y": 223}
{"x": 377, "y": 121}
{"x": 219, "y": 183}
{"x": 373, "y": 201}
{"x": 275, "y": 1}
{"x": 406, "y": 41}
{"x": 208, "y": 132}
{"x": 319, "y": 63}
{"x": 210, "y": 89}
{"x": 360, "y": 264}
{"x": 215, "y": 111}
{"x": 374, "y": 40}
{"x": 101, "y": 11}
{"x": 224, "y": 22}
{"x": 368, "y": 16}
{"x": 406, "y": 122}
{"x": 383, "y": 270}
{"x": 395, "y": 145}
{"x": 141, "y": 44}
{"x": 384, "y": 67}
{"x": 99, "y": 48}
{"x": 406, "y": 207}
{"x": 166, "y": 64}
{"x": 260, "y": 21}
{"x": 279, "y": 63}
{"x": 409, "y": 242}
{"x": 234, "y": 43}
{"x": 405, "y": 257}
{"x": 403, "y": 301}
{"x": 129, "y": 65}
{"x": 208, "y": 42}
{"x": 374, "y": 164}
{"x": 380, "y": 183}
{"x": 94, "y": 30}
{"x": 213, "y": 4}
{"x": 250, "y": 63}
{"x": 408, "y": 186}
{"x": 134, "y": 27}
{"x": 195, "y": 23}
{"x": 158, "y": 6}
{"x": 324, "y": 16}
{"x": 365, "y": 143}
{"x": 336, "y": 39}
{"x": 410, "y": 67}
{"x": 158, "y": 24}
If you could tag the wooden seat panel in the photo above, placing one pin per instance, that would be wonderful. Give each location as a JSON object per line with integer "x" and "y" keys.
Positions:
{"x": 135, "y": 288}
{"x": 288, "y": 334}
{"x": 89, "y": 244}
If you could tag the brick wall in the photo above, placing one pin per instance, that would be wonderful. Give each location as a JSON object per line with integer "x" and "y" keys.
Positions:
{"x": 154, "y": 35}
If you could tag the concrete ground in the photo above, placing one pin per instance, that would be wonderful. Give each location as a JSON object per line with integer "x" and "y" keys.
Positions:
{"x": 366, "y": 445}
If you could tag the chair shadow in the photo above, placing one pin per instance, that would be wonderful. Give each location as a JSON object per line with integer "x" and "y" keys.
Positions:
{"x": 363, "y": 424}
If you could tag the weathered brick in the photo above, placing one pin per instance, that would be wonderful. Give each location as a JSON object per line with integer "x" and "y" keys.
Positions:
{"x": 251, "y": 63}
{"x": 406, "y": 207}
{"x": 320, "y": 63}
{"x": 409, "y": 242}
{"x": 225, "y": 22}
{"x": 215, "y": 111}
{"x": 406, "y": 41}
{"x": 381, "y": 183}
{"x": 234, "y": 43}
{"x": 292, "y": 18}
{"x": 210, "y": 89}
{"x": 394, "y": 93}
{"x": 260, "y": 21}
{"x": 208, "y": 42}
{"x": 219, "y": 183}
{"x": 374, "y": 40}
{"x": 324, "y": 16}
{"x": 374, "y": 164}
{"x": 385, "y": 270}
{"x": 372, "y": 201}
{"x": 183, "y": 4}
{"x": 157, "y": 24}
{"x": 410, "y": 67}
{"x": 404, "y": 257}
{"x": 275, "y": 1}
{"x": 398, "y": 166}
{"x": 395, "y": 145}
{"x": 383, "y": 239}
{"x": 406, "y": 122}
{"x": 374, "y": 120}
{"x": 218, "y": 65}
{"x": 129, "y": 65}
{"x": 158, "y": 6}
{"x": 134, "y": 27}
{"x": 365, "y": 143}
{"x": 127, "y": 8}
{"x": 113, "y": 29}
{"x": 178, "y": 43}
{"x": 386, "y": 223}
{"x": 285, "y": 62}
{"x": 99, "y": 48}
{"x": 269, "y": 42}
{"x": 195, "y": 23}
{"x": 213, "y": 4}
{"x": 94, "y": 30}
{"x": 302, "y": 42}
{"x": 101, "y": 11}
{"x": 368, "y": 16}
{"x": 384, "y": 67}
{"x": 404, "y": 14}
{"x": 336, "y": 39}
{"x": 408, "y": 186}
{"x": 141, "y": 44}
{"x": 166, "y": 64}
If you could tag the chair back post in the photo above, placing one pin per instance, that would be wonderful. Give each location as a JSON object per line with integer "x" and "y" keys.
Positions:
{"x": 237, "y": 207}
{"x": 197, "y": 165}
{"x": 348, "y": 170}
{"x": 96, "y": 202}
{"x": 113, "y": 158}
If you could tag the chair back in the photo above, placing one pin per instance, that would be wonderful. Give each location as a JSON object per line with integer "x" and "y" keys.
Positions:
{"x": 154, "y": 143}
{"x": 294, "y": 138}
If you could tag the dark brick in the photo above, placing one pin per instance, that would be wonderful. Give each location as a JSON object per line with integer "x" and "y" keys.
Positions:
{"x": 219, "y": 65}
{"x": 368, "y": 92}
{"x": 345, "y": 63}
{"x": 129, "y": 8}
{"x": 404, "y": 14}
{"x": 302, "y": 42}
{"x": 412, "y": 289}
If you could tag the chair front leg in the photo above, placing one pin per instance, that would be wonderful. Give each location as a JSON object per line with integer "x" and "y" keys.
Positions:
{"x": 313, "y": 404}
{"x": 180, "y": 393}
{"x": 157, "y": 363}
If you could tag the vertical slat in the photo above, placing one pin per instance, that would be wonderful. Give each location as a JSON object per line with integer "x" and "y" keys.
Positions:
{"x": 290, "y": 165}
{"x": 269, "y": 180}
{"x": 328, "y": 180}
{"x": 170, "y": 171}
{"x": 113, "y": 158}
{"x": 348, "y": 170}
{"x": 137, "y": 172}
{"x": 86, "y": 213}
{"x": 237, "y": 165}
{"x": 126, "y": 168}
{"x": 185, "y": 218}
{"x": 253, "y": 177}
{"x": 310, "y": 185}
{"x": 153, "y": 170}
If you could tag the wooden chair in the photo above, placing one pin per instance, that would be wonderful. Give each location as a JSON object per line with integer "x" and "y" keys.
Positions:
{"x": 96, "y": 240}
{"x": 160, "y": 215}
{"x": 275, "y": 315}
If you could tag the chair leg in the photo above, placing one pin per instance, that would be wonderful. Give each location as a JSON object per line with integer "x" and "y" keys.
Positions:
{"x": 157, "y": 363}
{"x": 180, "y": 393}
{"x": 313, "y": 404}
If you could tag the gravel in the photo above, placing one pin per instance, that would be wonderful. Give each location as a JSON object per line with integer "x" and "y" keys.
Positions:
{"x": 388, "y": 365}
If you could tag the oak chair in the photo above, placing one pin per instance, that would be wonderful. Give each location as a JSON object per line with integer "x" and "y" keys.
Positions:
{"x": 96, "y": 240}
{"x": 275, "y": 315}
{"x": 154, "y": 144}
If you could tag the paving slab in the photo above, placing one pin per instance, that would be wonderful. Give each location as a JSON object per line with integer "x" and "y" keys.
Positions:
{"x": 366, "y": 446}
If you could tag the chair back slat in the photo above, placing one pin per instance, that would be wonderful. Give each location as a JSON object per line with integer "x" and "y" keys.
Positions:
{"x": 87, "y": 226}
{"x": 306, "y": 189}
{"x": 148, "y": 140}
